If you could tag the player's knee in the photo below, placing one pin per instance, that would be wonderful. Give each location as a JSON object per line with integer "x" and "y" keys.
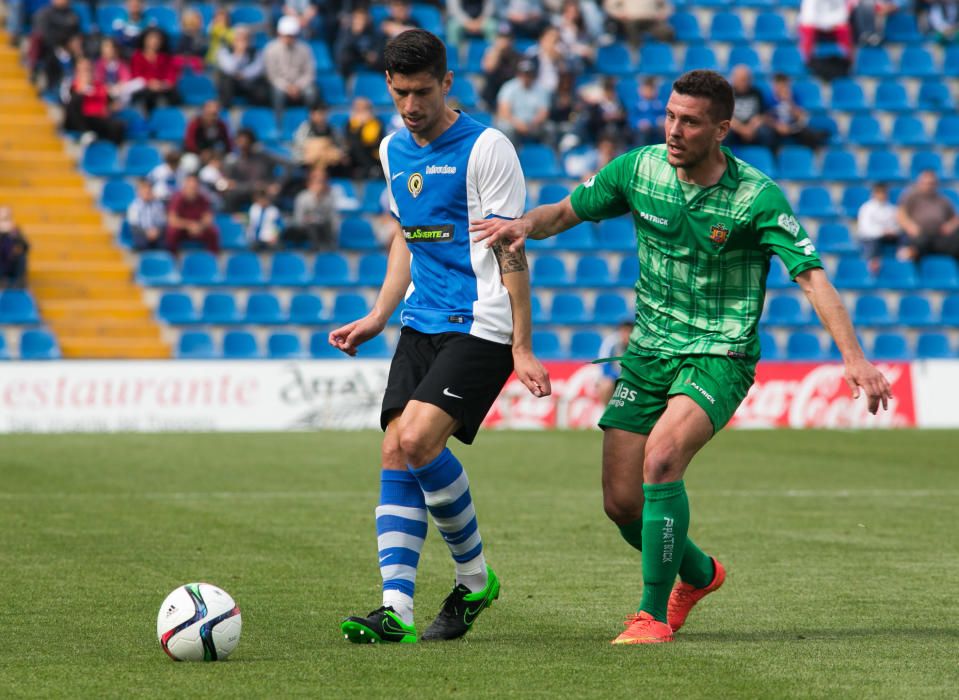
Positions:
{"x": 418, "y": 447}
{"x": 662, "y": 464}
{"x": 391, "y": 454}
{"x": 621, "y": 508}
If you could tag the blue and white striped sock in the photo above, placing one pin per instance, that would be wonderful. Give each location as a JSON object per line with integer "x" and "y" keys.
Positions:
{"x": 447, "y": 492}
{"x": 401, "y": 525}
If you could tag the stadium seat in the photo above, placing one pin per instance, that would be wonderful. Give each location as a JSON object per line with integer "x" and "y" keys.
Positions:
{"x": 372, "y": 86}
{"x": 933, "y": 346}
{"x": 890, "y": 346}
{"x": 548, "y": 271}
{"x": 610, "y": 308}
{"x": 240, "y": 345}
{"x": 847, "y": 96}
{"x": 137, "y": 127}
{"x": 686, "y": 26}
{"x": 108, "y": 15}
{"x": 371, "y": 270}
{"x": 808, "y": 95}
{"x": 262, "y": 121}
{"x": 853, "y": 197}
{"x": 247, "y": 14}
{"x": 263, "y": 308}
{"x": 579, "y": 237}
{"x": 584, "y": 345}
{"x": 100, "y": 159}
{"x": 835, "y": 239}
{"x": 38, "y": 344}
{"x": 232, "y": 233}
{"x": 865, "y": 130}
{"x": 915, "y": 310}
{"x": 628, "y": 272}
{"x": 86, "y": 17}
{"x": 616, "y": 235}
{"x": 815, "y": 201}
{"x": 17, "y": 306}
{"x": 116, "y": 196}
{"x": 883, "y": 165}
{"x": 777, "y": 277}
{"x": 917, "y": 62}
{"x": 787, "y": 59}
{"x": 616, "y": 59}
{"x": 823, "y": 122}
{"x": 377, "y": 347}
{"x": 291, "y": 120}
{"x": 873, "y": 62}
{"x": 357, "y": 234}
{"x": 838, "y": 164}
{"x": 140, "y": 159}
{"x": 699, "y": 57}
{"x": 768, "y": 347}
{"x": 321, "y": 349}
{"x": 332, "y": 89}
{"x": 852, "y": 273}
{"x": 288, "y": 270}
{"x": 897, "y": 274}
{"x": 759, "y": 157}
{"x": 331, "y": 270}
{"x": 935, "y": 96}
{"x": 306, "y": 310}
{"x": 803, "y": 346}
{"x": 926, "y": 160}
{"x": 797, "y": 163}
{"x": 908, "y": 131}
{"x": 745, "y": 56}
{"x": 891, "y": 97}
{"x": 771, "y": 27}
{"x": 547, "y": 346}
{"x": 195, "y": 345}
{"x": 243, "y": 270}
{"x": 539, "y": 161}
{"x": 284, "y": 346}
{"x": 176, "y": 308}
{"x": 950, "y": 61}
{"x": 157, "y": 268}
{"x": 322, "y": 56}
{"x": 4, "y": 353}
{"x": 949, "y": 314}
{"x": 349, "y": 307}
{"x": 567, "y": 309}
{"x": 593, "y": 271}
{"x": 163, "y": 17}
{"x": 464, "y": 92}
{"x": 939, "y": 272}
{"x": 167, "y": 124}
{"x": 871, "y": 310}
{"x": 901, "y": 28}
{"x": 785, "y": 310}
{"x": 219, "y": 308}
{"x": 551, "y": 193}
{"x": 372, "y": 195}
{"x": 475, "y": 50}
{"x": 656, "y": 58}
{"x": 196, "y": 89}
{"x": 536, "y": 309}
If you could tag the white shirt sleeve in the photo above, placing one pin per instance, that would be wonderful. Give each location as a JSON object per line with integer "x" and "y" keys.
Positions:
{"x": 499, "y": 177}
{"x": 385, "y": 162}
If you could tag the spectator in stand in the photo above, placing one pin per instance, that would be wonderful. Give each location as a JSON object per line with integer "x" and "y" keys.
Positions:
{"x": 522, "y": 106}
{"x": 68, "y": 56}
{"x": 565, "y": 113}
{"x": 499, "y": 65}
{"x": 748, "y": 126}
{"x": 363, "y": 136}
{"x": 154, "y": 65}
{"x": 604, "y": 113}
{"x": 114, "y": 72}
{"x": 89, "y": 109}
{"x": 13, "y": 252}
{"x": 190, "y": 217}
{"x": 576, "y": 36}
{"x": 470, "y": 19}
{"x": 943, "y": 20}
{"x": 240, "y": 71}
{"x": 877, "y": 226}
{"x": 647, "y": 114}
{"x": 264, "y": 222}
{"x": 166, "y": 177}
{"x": 290, "y": 67}
{"x": 207, "y": 132}
{"x": 526, "y": 18}
{"x": 247, "y": 169}
{"x": 146, "y": 218}
{"x": 788, "y": 120}
{"x": 220, "y": 32}
{"x": 307, "y": 14}
{"x": 868, "y": 18}
{"x": 52, "y": 28}
{"x": 633, "y": 19}
{"x": 399, "y": 19}
{"x": 551, "y": 59}
{"x": 824, "y": 18}
{"x": 929, "y": 219}
{"x": 316, "y": 144}
{"x": 581, "y": 163}
{"x": 315, "y": 219}
{"x": 359, "y": 45}
{"x": 192, "y": 45}
{"x": 127, "y": 31}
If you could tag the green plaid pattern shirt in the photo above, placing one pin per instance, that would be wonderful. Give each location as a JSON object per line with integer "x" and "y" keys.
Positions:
{"x": 703, "y": 262}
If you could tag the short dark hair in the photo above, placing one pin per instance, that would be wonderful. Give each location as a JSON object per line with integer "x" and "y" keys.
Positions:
{"x": 415, "y": 51}
{"x": 712, "y": 86}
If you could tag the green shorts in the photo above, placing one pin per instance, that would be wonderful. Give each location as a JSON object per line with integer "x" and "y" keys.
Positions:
{"x": 717, "y": 383}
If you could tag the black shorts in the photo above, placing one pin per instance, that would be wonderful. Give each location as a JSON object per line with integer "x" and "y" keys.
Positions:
{"x": 459, "y": 373}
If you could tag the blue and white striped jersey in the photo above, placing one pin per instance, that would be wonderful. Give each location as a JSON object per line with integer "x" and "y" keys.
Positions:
{"x": 469, "y": 172}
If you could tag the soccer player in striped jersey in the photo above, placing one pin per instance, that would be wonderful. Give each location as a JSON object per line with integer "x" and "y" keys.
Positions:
{"x": 466, "y": 327}
{"x": 707, "y": 225}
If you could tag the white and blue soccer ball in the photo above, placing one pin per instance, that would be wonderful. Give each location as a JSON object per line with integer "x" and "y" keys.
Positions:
{"x": 199, "y": 622}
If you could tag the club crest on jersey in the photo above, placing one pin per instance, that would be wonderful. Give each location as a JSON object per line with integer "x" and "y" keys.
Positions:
{"x": 415, "y": 184}
{"x": 718, "y": 233}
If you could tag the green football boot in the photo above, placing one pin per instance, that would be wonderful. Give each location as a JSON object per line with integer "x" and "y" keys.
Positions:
{"x": 382, "y": 625}
{"x": 460, "y": 610}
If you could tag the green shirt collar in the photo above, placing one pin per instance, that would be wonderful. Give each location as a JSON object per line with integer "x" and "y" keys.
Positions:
{"x": 730, "y": 178}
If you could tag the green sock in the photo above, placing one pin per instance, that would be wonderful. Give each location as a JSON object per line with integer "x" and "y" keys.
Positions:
{"x": 695, "y": 567}
{"x": 665, "y": 523}
{"x": 633, "y": 533}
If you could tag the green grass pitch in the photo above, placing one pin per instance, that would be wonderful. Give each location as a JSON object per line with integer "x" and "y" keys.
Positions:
{"x": 841, "y": 549}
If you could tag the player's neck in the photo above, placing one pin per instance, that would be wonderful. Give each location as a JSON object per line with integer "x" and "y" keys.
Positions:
{"x": 445, "y": 122}
{"x": 705, "y": 173}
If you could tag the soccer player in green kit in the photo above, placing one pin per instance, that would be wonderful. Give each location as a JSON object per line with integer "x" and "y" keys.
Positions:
{"x": 707, "y": 225}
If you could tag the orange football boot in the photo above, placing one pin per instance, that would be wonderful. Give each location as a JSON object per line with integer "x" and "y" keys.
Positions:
{"x": 685, "y": 596}
{"x": 644, "y": 629}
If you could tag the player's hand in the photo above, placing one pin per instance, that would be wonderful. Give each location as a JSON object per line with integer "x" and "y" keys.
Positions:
{"x": 860, "y": 374}
{"x": 513, "y": 231}
{"x": 349, "y": 337}
{"x": 531, "y": 372}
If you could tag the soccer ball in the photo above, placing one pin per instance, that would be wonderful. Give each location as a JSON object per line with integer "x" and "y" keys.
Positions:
{"x": 199, "y": 622}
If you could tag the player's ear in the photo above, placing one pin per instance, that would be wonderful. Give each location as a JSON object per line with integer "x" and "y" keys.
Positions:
{"x": 447, "y": 82}
{"x": 722, "y": 129}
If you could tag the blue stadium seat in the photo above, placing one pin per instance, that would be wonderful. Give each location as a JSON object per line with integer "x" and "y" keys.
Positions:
{"x": 852, "y": 273}
{"x": 140, "y": 159}
{"x": 552, "y": 192}
{"x": 372, "y": 85}
{"x": 593, "y": 271}
{"x": 883, "y": 165}
{"x": 357, "y": 234}
{"x": 847, "y": 96}
{"x": 616, "y": 234}
{"x": 345, "y": 194}
{"x": 17, "y": 306}
{"x": 824, "y": 122}
{"x": 137, "y": 127}
{"x": 291, "y": 120}
{"x": 897, "y": 274}
{"x": 371, "y": 270}
{"x": 804, "y": 346}
{"x": 686, "y": 26}
{"x": 865, "y": 130}
{"x": 548, "y": 271}
{"x": 475, "y": 50}
{"x": 284, "y": 346}
{"x": 107, "y": 15}
{"x": 949, "y": 314}
{"x": 787, "y": 59}
{"x": 785, "y": 310}
{"x": 536, "y": 309}
{"x": 38, "y": 344}
{"x": 746, "y": 56}
{"x": 771, "y": 27}
{"x": 167, "y": 124}
{"x": 699, "y": 57}
{"x": 116, "y": 196}
{"x": 890, "y": 346}
{"x": 615, "y": 59}
{"x": 86, "y": 17}
{"x": 243, "y": 270}
{"x": 908, "y": 131}
{"x": 808, "y": 95}
{"x": 926, "y": 160}
{"x": 777, "y": 277}
{"x": 4, "y": 353}
{"x": 568, "y": 309}
{"x": 838, "y": 164}
{"x": 321, "y": 349}
{"x": 195, "y": 345}
{"x": 610, "y": 308}
{"x": 853, "y": 197}
{"x": 163, "y": 17}
{"x": 206, "y": 10}
{"x": 262, "y": 122}
{"x": 727, "y": 27}
{"x": 539, "y": 161}
{"x": 219, "y": 308}
{"x": 797, "y": 163}
{"x": 584, "y": 345}
{"x": 232, "y": 232}
{"x": 322, "y": 56}
{"x": 377, "y": 347}
{"x": 349, "y": 307}
{"x": 464, "y": 92}
{"x": 100, "y": 159}
{"x": 815, "y": 201}
{"x": 891, "y": 97}
{"x": 950, "y": 61}
{"x": 768, "y": 347}
{"x": 331, "y": 270}
{"x": 873, "y": 62}
{"x": 935, "y": 96}
{"x": 901, "y": 28}
{"x": 579, "y": 237}
{"x": 656, "y": 58}
{"x": 759, "y": 157}
{"x": 196, "y": 89}
{"x": 263, "y": 308}
{"x": 933, "y": 346}
{"x": 871, "y": 310}
{"x": 547, "y": 345}
{"x": 628, "y": 272}
{"x": 429, "y": 18}
{"x": 939, "y": 272}
{"x": 835, "y": 239}
{"x": 288, "y": 270}
{"x": 915, "y": 310}
{"x": 372, "y": 194}
{"x": 157, "y": 269}
{"x": 306, "y": 309}
{"x": 332, "y": 89}
{"x": 176, "y": 308}
{"x": 917, "y": 62}
{"x": 247, "y": 14}
{"x": 240, "y": 345}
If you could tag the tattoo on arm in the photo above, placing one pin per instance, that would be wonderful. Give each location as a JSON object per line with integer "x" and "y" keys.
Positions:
{"x": 508, "y": 260}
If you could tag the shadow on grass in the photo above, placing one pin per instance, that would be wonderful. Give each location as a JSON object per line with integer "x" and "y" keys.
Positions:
{"x": 819, "y": 636}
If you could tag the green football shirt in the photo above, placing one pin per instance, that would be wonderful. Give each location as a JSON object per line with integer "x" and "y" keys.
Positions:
{"x": 703, "y": 262}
